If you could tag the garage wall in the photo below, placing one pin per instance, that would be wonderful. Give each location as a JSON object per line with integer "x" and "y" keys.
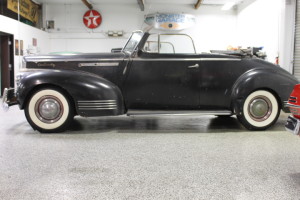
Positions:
{"x": 258, "y": 26}
{"x": 215, "y": 29}
{"x": 24, "y": 32}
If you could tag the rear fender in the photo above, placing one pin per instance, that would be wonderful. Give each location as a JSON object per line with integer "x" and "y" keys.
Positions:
{"x": 92, "y": 95}
{"x": 279, "y": 84}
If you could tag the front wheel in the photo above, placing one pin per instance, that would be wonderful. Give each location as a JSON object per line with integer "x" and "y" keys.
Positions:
{"x": 49, "y": 110}
{"x": 260, "y": 110}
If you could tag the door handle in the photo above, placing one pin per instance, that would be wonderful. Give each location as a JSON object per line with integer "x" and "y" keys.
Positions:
{"x": 193, "y": 66}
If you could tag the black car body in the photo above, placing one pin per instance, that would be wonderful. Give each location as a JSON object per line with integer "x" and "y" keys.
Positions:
{"x": 54, "y": 88}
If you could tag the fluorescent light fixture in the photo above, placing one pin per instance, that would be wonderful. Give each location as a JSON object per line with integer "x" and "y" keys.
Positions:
{"x": 228, "y": 5}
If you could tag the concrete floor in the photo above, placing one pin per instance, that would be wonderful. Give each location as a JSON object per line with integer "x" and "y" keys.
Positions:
{"x": 201, "y": 157}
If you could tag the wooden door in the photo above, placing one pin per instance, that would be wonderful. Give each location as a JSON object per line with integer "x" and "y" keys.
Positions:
{"x": 7, "y": 72}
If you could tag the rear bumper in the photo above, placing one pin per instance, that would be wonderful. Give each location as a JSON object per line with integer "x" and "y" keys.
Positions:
{"x": 9, "y": 98}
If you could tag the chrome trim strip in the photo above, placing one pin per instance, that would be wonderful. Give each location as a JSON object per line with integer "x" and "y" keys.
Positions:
{"x": 106, "y": 64}
{"x": 187, "y": 59}
{"x": 75, "y": 60}
{"x": 95, "y": 104}
{"x": 98, "y": 109}
{"x": 92, "y": 106}
{"x": 184, "y": 112}
{"x": 96, "y": 101}
{"x": 221, "y": 59}
{"x": 31, "y": 69}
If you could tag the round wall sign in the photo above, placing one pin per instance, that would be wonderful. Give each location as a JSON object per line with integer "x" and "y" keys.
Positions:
{"x": 92, "y": 19}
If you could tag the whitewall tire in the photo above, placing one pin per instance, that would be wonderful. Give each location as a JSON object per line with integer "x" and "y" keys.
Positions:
{"x": 49, "y": 110}
{"x": 260, "y": 110}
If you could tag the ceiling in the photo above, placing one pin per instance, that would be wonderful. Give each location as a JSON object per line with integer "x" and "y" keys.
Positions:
{"x": 147, "y": 2}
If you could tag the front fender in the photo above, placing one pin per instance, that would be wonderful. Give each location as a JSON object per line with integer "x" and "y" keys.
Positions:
{"x": 92, "y": 95}
{"x": 278, "y": 82}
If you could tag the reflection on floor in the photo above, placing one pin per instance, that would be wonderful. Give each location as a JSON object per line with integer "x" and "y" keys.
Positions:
{"x": 167, "y": 157}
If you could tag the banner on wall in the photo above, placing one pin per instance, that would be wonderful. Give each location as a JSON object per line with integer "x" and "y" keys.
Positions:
{"x": 168, "y": 21}
{"x": 28, "y": 9}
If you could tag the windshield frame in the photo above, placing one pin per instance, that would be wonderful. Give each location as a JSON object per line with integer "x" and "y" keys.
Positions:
{"x": 131, "y": 50}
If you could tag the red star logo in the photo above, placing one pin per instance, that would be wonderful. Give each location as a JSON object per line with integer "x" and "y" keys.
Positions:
{"x": 92, "y": 19}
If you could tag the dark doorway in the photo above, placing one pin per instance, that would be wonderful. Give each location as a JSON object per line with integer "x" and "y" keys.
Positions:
{"x": 6, "y": 61}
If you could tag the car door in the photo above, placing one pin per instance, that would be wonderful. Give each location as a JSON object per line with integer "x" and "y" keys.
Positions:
{"x": 163, "y": 82}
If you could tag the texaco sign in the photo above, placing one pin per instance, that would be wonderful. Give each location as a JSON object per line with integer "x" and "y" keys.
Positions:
{"x": 92, "y": 19}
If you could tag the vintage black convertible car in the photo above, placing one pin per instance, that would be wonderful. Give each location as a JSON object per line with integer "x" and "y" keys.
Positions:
{"x": 149, "y": 77}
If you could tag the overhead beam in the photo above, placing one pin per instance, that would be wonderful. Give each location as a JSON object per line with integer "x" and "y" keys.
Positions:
{"x": 197, "y": 5}
{"x": 87, "y": 4}
{"x": 141, "y": 4}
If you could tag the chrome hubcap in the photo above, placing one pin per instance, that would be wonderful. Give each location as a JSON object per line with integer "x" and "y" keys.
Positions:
{"x": 260, "y": 108}
{"x": 49, "y": 109}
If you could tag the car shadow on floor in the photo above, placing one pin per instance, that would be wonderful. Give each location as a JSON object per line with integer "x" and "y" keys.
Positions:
{"x": 156, "y": 125}
{"x": 146, "y": 124}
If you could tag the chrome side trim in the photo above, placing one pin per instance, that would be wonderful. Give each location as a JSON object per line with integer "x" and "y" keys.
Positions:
{"x": 187, "y": 59}
{"x": 103, "y": 64}
{"x": 75, "y": 60}
{"x": 97, "y": 105}
{"x": 98, "y": 109}
{"x": 96, "y": 101}
{"x": 31, "y": 69}
{"x": 221, "y": 59}
{"x": 175, "y": 112}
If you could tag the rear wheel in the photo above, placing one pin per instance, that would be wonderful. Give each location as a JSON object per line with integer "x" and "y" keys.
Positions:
{"x": 260, "y": 110}
{"x": 49, "y": 110}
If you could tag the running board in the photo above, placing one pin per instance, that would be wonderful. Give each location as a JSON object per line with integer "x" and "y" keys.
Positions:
{"x": 179, "y": 112}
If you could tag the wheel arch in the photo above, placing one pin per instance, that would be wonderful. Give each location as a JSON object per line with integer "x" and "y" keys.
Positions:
{"x": 35, "y": 88}
{"x": 260, "y": 79}
{"x": 78, "y": 86}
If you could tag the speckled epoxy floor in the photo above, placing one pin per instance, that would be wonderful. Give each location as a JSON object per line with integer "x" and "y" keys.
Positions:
{"x": 148, "y": 158}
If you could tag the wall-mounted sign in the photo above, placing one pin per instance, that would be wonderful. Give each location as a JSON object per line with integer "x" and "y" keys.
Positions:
{"x": 17, "y": 48}
{"x": 28, "y": 9}
{"x": 92, "y": 19}
{"x": 21, "y": 48}
{"x": 170, "y": 21}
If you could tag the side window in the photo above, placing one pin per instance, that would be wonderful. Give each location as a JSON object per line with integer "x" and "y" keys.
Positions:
{"x": 169, "y": 44}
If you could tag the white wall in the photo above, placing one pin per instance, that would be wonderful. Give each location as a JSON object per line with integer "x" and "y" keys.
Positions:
{"x": 287, "y": 34}
{"x": 24, "y": 32}
{"x": 215, "y": 29}
{"x": 258, "y": 25}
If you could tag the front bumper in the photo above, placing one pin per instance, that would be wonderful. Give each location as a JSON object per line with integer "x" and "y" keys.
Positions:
{"x": 9, "y": 98}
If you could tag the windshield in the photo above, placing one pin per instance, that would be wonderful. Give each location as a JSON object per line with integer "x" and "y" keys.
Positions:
{"x": 133, "y": 41}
